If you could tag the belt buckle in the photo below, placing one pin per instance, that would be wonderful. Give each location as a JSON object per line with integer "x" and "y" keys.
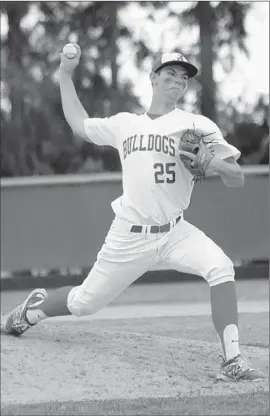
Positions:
{"x": 155, "y": 229}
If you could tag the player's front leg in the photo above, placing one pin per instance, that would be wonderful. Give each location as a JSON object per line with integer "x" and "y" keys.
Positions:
{"x": 225, "y": 318}
{"x": 204, "y": 258}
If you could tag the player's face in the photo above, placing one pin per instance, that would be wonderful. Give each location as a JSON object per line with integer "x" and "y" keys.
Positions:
{"x": 171, "y": 82}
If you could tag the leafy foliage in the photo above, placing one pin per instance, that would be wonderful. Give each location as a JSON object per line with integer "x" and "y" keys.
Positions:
{"x": 35, "y": 138}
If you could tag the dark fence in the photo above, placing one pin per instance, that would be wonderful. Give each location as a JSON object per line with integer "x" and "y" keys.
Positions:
{"x": 60, "y": 222}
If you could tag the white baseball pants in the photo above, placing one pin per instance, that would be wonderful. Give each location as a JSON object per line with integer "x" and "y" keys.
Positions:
{"x": 125, "y": 256}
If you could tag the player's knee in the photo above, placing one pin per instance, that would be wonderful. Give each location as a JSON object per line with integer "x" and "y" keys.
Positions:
{"x": 79, "y": 309}
{"x": 80, "y": 306}
{"x": 222, "y": 272}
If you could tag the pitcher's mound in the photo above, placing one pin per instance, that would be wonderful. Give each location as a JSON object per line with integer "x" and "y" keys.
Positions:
{"x": 63, "y": 362}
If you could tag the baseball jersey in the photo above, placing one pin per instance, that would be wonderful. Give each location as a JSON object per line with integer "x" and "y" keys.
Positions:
{"x": 156, "y": 185}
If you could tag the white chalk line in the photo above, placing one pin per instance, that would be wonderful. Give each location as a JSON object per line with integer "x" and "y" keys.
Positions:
{"x": 161, "y": 311}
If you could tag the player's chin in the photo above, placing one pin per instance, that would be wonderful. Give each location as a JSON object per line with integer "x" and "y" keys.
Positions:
{"x": 177, "y": 93}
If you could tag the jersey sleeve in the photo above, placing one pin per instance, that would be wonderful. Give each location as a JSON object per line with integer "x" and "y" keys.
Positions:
{"x": 222, "y": 148}
{"x": 103, "y": 131}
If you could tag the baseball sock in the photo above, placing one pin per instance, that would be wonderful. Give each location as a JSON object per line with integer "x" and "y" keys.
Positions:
{"x": 54, "y": 305}
{"x": 225, "y": 317}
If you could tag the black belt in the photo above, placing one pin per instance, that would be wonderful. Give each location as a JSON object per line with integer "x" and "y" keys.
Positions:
{"x": 154, "y": 229}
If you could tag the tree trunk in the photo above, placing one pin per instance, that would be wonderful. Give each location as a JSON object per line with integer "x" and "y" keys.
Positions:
{"x": 111, "y": 159}
{"x": 206, "y": 20}
{"x": 114, "y": 54}
{"x": 15, "y": 44}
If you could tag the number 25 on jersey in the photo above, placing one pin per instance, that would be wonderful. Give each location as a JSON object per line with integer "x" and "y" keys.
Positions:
{"x": 164, "y": 172}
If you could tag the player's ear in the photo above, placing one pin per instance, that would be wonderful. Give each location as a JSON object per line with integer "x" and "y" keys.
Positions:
{"x": 153, "y": 78}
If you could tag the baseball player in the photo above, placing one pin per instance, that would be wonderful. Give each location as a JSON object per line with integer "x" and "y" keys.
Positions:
{"x": 163, "y": 152}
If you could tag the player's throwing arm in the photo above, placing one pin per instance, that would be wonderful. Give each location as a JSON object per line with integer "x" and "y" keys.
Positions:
{"x": 74, "y": 112}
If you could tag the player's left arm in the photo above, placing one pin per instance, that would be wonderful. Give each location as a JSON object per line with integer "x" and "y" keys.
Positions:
{"x": 229, "y": 170}
{"x": 224, "y": 163}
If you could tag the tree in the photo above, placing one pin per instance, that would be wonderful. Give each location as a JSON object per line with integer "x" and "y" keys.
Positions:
{"x": 205, "y": 16}
{"x": 16, "y": 79}
{"x": 35, "y": 137}
{"x": 221, "y": 28}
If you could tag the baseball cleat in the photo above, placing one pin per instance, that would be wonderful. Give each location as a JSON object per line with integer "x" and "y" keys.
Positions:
{"x": 238, "y": 369}
{"x": 16, "y": 322}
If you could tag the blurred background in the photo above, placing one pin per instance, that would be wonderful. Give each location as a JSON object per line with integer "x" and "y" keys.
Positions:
{"x": 227, "y": 40}
{"x": 56, "y": 191}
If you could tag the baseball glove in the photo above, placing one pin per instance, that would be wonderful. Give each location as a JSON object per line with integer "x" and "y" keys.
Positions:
{"x": 201, "y": 153}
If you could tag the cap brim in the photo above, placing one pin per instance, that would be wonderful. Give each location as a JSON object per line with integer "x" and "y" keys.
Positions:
{"x": 191, "y": 69}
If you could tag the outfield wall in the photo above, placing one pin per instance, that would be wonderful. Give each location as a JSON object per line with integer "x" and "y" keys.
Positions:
{"x": 61, "y": 221}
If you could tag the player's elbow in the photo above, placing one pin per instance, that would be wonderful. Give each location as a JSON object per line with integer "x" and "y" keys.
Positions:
{"x": 237, "y": 180}
{"x": 77, "y": 127}
{"x": 79, "y": 134}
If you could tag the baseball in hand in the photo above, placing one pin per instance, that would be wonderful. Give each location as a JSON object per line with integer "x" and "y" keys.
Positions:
{"x": 70, "y": 51}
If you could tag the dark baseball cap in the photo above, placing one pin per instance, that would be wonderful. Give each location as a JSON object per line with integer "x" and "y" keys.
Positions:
{"x": 174, "y": 58}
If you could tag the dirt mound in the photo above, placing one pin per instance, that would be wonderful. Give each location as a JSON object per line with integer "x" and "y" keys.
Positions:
{"x": 63, "y": 362}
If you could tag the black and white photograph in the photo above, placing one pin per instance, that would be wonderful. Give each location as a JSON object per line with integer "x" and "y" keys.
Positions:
{"x": 134, "y": 208}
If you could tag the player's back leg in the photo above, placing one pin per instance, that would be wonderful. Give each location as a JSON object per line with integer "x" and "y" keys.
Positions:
{"x": 16, "y": 322}
{"x": 123, "y": 258}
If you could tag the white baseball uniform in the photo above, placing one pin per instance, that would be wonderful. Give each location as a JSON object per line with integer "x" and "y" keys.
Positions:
{"x": 156, "y": 191}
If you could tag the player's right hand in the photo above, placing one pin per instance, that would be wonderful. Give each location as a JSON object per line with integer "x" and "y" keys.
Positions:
{"x": 69, "y": 65}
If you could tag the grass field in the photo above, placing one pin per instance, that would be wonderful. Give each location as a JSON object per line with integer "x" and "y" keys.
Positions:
{"x": 146, "y": 366}
{"x": 238, "y": 404}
